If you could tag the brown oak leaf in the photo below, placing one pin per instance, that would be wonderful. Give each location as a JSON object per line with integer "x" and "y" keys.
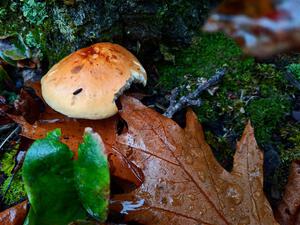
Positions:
{"x": 184, "y": 184}
{"x": 14, "y": 215}
{"x": 288, "y": 211}
{"x": 262, "y": 28}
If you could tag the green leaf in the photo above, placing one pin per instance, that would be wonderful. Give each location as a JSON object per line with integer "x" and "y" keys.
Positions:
{"x": 48, "y": 174}
{"x": 13, "y": 48}
{"x": 92, "y": 175}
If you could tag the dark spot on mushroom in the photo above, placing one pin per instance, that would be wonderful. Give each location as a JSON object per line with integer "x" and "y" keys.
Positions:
{"x": 76, "y": 69}
{"x": 77, "y": 91}
{"x": 119, "y": 71}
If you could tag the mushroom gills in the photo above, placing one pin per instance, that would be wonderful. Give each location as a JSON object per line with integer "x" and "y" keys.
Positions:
{"x": 134, "y": 78}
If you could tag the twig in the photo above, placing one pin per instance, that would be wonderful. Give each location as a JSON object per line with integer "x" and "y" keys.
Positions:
{"x": 8, "y": 137}
{"x": 192, "y": 98}
{"x": 19, "y": 158}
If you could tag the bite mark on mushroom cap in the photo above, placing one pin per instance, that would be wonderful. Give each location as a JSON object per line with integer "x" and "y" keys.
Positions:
{"x": 103, "y": 71}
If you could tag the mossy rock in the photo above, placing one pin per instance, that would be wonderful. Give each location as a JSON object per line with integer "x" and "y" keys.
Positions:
{"x": 56, "y": 28}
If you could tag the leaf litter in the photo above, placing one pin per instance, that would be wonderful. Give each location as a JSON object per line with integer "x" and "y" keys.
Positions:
{"x": 183, "y": 182}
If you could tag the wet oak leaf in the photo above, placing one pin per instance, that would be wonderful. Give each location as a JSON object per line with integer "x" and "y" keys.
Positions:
{"x": 288, "y": 211}
{"x": 14, "y": 215}
{"x": 184, "y": 184}
{"x": 262, "y": 28}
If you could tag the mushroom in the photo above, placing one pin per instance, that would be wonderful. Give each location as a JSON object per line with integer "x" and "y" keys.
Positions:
{"x": 86, "y": 83}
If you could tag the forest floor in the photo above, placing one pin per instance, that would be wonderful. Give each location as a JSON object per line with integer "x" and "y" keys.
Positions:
{"x": 252, "y": 89}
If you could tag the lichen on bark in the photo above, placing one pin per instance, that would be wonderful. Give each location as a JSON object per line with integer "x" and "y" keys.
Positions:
{"x": 60, "y": 27}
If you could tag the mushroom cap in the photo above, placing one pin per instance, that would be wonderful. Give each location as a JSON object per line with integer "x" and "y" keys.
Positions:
{"x": 86, "y": 83}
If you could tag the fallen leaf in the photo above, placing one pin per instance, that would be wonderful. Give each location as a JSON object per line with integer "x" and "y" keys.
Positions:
{"x": 14, "y": 215}
{"x": 72, "y": 130}
{"x": 262, "y": 28}
{"x": 62, "y": 190}
{"x": 27, "y": 106}
{"x": 48, "y": 175}
{"x": 92, "y": 175}
{"x": 184, "y": 184}
{"x": 288, "y": 211}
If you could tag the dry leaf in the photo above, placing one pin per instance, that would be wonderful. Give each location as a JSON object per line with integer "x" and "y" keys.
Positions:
{"x": 184, "y": 184}
{"x": 262, "y": 28}
{"x": 14, "y": 215}
{"x": 288, "y": 211}
{"x": 28, "y": 106}
{"x": 72, "y": 129}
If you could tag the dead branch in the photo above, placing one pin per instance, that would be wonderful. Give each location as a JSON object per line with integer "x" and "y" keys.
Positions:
{"x": 192, "y": 98}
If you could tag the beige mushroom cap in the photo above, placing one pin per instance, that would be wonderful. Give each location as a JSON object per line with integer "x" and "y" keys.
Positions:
{"x": 86, "y": 83}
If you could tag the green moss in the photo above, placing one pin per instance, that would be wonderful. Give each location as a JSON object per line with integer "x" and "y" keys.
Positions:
{"x": 266, "y": 114}
{"x": 249, "y": 90}
{"x": 226, "y": 155}
{"x": 15, "y": 192}
{"x": 289, "y": 147}
{"x": 206, "y": 54}
{"x": 295, "y": 69}
{"x": 290, "y": 135}
{"x": 7, "y": 161}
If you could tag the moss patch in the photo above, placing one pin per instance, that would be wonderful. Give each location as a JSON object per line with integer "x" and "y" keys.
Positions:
{"x": 249, "y": 90}
{"x": 289, "y": 149}
{"x": 16, "y": 191}
{"x": 294, "y": 68}
{"x": 266, "y": 113}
